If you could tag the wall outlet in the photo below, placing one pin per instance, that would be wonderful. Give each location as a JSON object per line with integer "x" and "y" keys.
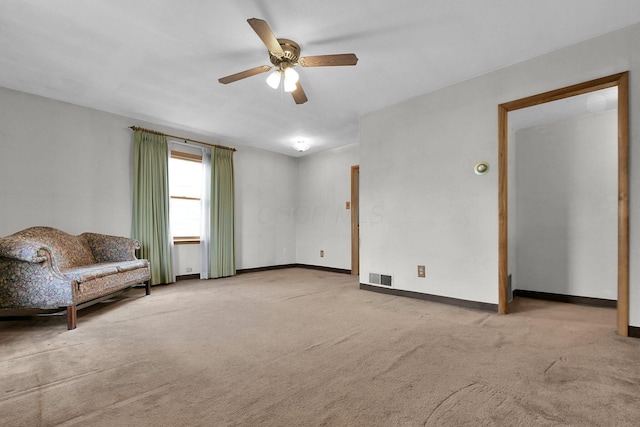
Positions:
{"x": 421, "y": 271}
{"x": 189, "y": 269}
{"x": 321, "y": 254}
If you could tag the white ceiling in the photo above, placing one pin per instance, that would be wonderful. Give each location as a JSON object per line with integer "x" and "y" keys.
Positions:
{"x": 160, "y": 60}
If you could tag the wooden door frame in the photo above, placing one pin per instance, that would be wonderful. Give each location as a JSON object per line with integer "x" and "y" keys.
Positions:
{"x": 355, "y": 223}
{"x": 620, "y": 80}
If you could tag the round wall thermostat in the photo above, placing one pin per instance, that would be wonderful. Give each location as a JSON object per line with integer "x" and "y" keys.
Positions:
{"x": 481, "y": 168}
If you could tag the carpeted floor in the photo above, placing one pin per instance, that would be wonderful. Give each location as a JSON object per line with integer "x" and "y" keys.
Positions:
{"x": 301, "y": 347}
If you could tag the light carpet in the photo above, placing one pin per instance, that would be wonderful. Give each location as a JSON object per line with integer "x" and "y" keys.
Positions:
{"x": 300, "y": 347}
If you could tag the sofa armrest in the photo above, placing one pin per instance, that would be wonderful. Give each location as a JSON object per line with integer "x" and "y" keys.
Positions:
{"x": 24, "y": 249}
{"x": 107, "y": 248}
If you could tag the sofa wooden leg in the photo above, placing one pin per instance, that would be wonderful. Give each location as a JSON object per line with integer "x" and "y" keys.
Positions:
{"x": 147, "y": 287}
{"x": 72, "y": 317}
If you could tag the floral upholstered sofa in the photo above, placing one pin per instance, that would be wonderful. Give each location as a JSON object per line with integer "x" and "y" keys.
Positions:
{"x": 45, "y": 268}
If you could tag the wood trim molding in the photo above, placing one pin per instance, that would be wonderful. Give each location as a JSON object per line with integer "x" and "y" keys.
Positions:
{"x": 621, "y": 80}
{"x": 186, "y": 156}
{"x": 623, "y": 204}
{"x": 503, "y": 210}
{"x": 355, "y": 219}
{"x": 565, "y": 92}
{"x": 195, "y": 240}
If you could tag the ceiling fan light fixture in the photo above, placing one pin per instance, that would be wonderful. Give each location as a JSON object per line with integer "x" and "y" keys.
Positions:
{"x": 284, "y": 54}
{"x": 291, "y": 75}
{"x": 274, "y": 79}
{"x": 289, "y": 86}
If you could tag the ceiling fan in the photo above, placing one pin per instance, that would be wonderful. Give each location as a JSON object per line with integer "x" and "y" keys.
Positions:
{"x": 284, "y": 54}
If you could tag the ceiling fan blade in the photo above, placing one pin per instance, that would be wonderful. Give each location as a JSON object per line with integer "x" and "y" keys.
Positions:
{"x": 244, "y": 74}
{"x": 298, "y": 95}
{"x": 263, "y": 31}
{"x": 328, "y": 60}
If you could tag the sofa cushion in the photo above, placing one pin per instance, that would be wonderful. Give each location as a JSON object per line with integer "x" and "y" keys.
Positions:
{"x": 90, "y": 272}
{"x": 95, "y": 271}
{"x": 106, "y": 284}
{"x": 131, "y": 265}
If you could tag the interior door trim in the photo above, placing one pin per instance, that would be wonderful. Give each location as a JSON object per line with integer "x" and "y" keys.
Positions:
{"x": 355, "y": 219}
{"x": 620, "y": 80}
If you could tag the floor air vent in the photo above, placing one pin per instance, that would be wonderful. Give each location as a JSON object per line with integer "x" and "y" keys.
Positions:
{"x": 380, "y": 279}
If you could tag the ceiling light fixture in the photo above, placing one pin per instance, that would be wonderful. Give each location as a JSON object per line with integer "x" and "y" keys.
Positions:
{"x": 274, "y": 79}
{"x": 288, "y": 75}
{"x": 301, "y": 146}
{"x": 291, "y": 77}
{"x": 284, "y": 54}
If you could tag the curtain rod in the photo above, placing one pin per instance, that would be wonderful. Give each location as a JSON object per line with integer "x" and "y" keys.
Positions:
{"x": 179, "y": 137}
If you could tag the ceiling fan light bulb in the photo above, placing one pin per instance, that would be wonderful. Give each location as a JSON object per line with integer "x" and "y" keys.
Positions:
{"x": 291, "y": 76}
{"x": 274, "y": 79}
{"x": 289, "y": 86}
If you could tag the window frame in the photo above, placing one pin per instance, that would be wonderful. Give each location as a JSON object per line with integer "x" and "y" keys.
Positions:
{"x": 181, "y": 155}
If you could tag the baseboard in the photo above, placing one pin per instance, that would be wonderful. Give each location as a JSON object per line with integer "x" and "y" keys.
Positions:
{"x": 267, "y": 268}
{"x": 634, "y": 332}
{"x": 273, "y": 267}
{"x": 433, "y": 298}
{"x": 571, "y": 299}
{"x": 187, "y": 277}
{"x": 284, "y": 266}
{"x": 323, "y": 268}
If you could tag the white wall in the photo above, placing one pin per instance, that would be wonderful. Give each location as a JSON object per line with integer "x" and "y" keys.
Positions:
{"x": 421, "y": 202}
{"x": 567, "y": 207}
{"x": 266, "y": 186}
{"x": 186, "y": 259}
{"x": 71, "y": 167}
{"x": 63, "y": 166}
{"x": 323, "y": 221}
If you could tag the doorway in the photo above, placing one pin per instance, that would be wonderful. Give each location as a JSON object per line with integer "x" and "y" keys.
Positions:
{"x": 621, "y": 82}
{"x": 355, "y": 219}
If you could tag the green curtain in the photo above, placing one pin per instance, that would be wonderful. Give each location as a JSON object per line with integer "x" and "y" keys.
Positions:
{"x": 151, "y": 203}
{"x": 222, "y": 254}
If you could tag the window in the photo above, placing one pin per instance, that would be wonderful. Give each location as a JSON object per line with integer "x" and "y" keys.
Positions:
{"x": 185, "y": 189}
